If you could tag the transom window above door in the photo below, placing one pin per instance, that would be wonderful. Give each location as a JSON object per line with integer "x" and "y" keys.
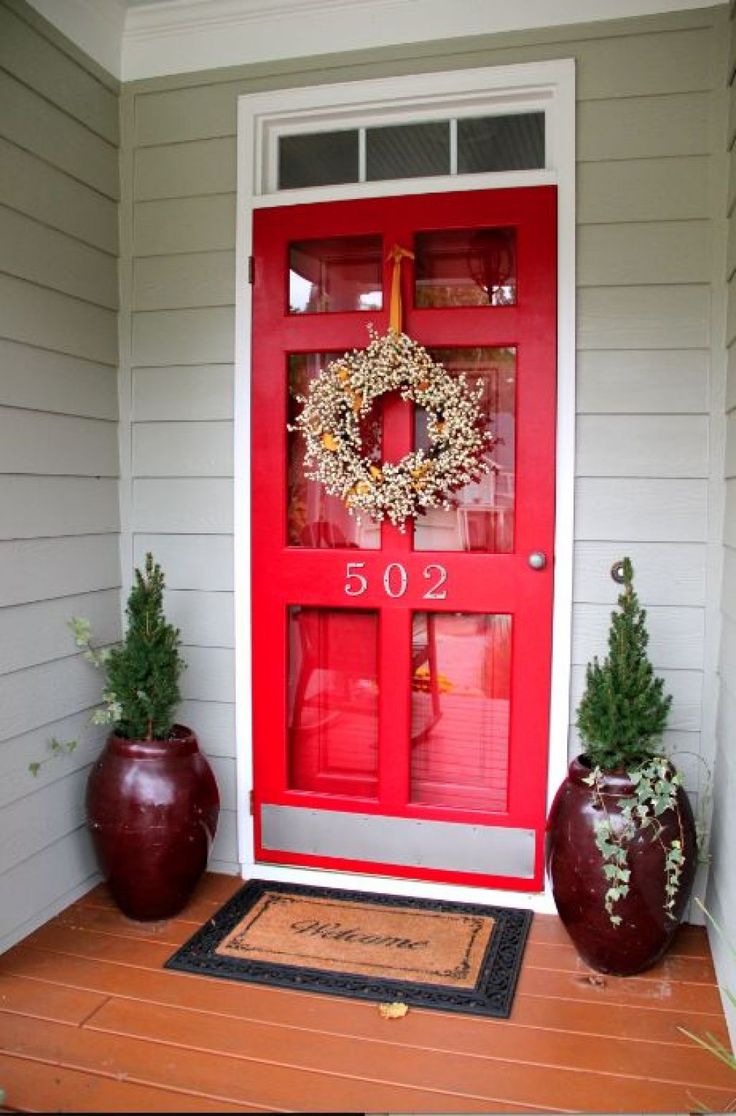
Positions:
{"x": 421, "y": 149}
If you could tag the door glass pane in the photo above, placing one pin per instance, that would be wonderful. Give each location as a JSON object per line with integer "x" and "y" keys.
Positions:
{"x": 408, "y": 151}
{"x": 333, "y": 701}
{"x": 465, "y": 267}
{"x": 460, "y": 698}
{"x": 318, "y": 159}
{"x": 313, "y": 518}
{"x": 500, "y": 143}
{"x": 336, "y": 274}
{"x": 481, "y": 516}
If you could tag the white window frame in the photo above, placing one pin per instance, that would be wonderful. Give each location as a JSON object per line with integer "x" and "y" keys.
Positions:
{"x": 262, "y": 118}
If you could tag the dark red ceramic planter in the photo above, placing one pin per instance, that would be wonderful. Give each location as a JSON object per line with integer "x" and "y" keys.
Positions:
{"x": 152, "y": 810}
{"x": 575, "y": 867}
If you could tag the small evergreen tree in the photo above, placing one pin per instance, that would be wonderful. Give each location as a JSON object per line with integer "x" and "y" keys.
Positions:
{"x": 143, "y": 672}
{"x": 624, "y": 707}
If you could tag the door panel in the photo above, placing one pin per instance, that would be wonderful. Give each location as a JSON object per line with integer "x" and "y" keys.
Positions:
{"x": 401, "y": 680}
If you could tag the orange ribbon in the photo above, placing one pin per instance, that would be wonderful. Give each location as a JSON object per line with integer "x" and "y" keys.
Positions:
{"x": 396, "y": 255}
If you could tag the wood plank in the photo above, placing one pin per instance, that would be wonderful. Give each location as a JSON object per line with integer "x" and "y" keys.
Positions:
{"x": 684, "y": 583}
{"x": 183, "y": 281}
{"x": 731, "y": 379}
{"x": 214, "y": 724}
{"x": 58, "y": 811}
{"x": 204, "y": 619}
{"x": 729, "y": 470}
{"x": 506, "y": 1072}
{"x": 42, "y": 255}
{"x": 584, "y": 1015}
{"x": 41, "y": 569}
{"x": 203, "y": 562}
{"x": 54, "y": 1002}
{"x": 211, "y": 674}
{"x": 645, "y": 252}
{"x": 237, "y": 1078}
{"x": 625, "y": 510}
{"x": 224, "y": 856}
{"x": 643, "y": 317}
{"x": 642, "y": 446}
{"x": 643, "y": 127}
{"x": 183, "y": 449}
{"x": 204, "y": 112}
{"x": 184, "y": 506}
{"x": 35, "y": 885}
{"x": 49, "y": 444}
{"x": 48, "y": 194}
{"x": 39, "y": 633}
{"x": 729, "y": 519}
{"x": 654, "y": 382}
{"x": 33, "y": 122}
{"x": 17, "y": 780}
{"x": 647, "y": 189}
{"x": 199, "y": 224}
{"x": 41, "y": 380}
{"x": 37, "y": 62}
{"x": 33, "y": 1086}
{"x": 42, "y": 695}
{"x": 44, "y": 507}
{"x": 183, "y": 393}
{"x": 676, "y": 634}
{"x": 200, "y": 336}
{"x": 51, "y": 320}
{"x": 185, "y": 169}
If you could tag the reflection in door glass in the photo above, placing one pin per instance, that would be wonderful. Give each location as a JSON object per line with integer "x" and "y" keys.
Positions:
{"x": 313, "y": 518}
{"x": 333, "y": 701}
{"x": 465, "y": 267}
{"x": 335, "y": 275}
{"x": 481, "y": 516}
{"x": 460, "y": 698}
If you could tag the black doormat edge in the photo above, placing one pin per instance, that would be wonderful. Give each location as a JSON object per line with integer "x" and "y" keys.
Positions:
{"x": 492, "y": 996}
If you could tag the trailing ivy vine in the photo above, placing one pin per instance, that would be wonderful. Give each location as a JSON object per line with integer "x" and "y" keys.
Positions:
{"x": 655, "y": 785}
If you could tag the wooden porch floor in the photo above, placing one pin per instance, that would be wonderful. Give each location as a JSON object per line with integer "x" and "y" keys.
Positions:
{"x": 89, "y": 1021}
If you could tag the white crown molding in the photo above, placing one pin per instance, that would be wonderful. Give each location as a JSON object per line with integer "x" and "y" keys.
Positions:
{"x": 183, "y": 36}
{"x": 95, "y": 26}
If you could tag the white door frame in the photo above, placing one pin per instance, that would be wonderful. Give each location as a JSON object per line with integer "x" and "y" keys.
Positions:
{"x": 262, "y": 118}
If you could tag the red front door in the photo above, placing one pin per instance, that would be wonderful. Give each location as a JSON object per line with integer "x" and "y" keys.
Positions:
{"x": 401, "y": 680}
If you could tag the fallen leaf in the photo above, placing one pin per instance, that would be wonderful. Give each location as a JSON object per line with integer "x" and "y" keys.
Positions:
{"x": 393, "y": 1011}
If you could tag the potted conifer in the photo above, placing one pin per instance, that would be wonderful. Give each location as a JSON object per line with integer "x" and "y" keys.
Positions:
{"x": 621, "y": 841}
{"x": 152, "y": 799}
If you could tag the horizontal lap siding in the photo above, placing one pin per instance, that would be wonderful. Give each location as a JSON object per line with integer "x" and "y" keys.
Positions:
{"x": 59, "y": 531}
{"x": 722, "y": 890}
{"x": 643, "y": 274}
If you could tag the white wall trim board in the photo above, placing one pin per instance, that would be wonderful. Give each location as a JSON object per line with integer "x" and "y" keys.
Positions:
{"x": 261, "y": 118}
{"x": 178, "y": 36}
{"x": 96, "y": 26}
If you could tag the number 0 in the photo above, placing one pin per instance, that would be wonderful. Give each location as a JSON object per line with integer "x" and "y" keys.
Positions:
{"x": 388, "y": 580}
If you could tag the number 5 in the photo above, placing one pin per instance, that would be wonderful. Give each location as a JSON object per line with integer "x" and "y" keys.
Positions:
{"x": 355, "y": 583}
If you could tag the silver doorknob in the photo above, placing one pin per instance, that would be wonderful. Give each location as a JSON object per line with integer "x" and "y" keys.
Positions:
{"x": 537, "y": 559}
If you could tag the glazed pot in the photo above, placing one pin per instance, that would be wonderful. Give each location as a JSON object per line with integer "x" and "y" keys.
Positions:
{"x": 575, "y": 867}
{"x": 152, "y": 810}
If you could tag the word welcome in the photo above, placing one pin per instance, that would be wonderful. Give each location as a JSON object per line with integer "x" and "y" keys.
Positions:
{"x": 312, "y": 928}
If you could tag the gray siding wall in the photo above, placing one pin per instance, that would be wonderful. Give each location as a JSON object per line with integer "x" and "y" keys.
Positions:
{"x": 647, "y": 97}
{"x": 59, "y": 527}
{"x": 722, "y": 889}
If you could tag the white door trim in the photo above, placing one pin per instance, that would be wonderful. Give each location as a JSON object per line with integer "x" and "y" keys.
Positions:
{"x": 262, "y": 117}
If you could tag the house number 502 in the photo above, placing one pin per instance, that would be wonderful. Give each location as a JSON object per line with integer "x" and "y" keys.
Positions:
{"x": 396, "y": 580}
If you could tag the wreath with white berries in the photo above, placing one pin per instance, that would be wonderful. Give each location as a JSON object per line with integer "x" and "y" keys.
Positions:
{"x": 344, "y": 393}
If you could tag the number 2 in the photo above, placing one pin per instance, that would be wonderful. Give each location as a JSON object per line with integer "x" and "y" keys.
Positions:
{"x": 436, "y": 592}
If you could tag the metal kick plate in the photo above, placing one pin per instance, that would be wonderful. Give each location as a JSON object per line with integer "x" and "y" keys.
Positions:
{"x": 449, "y": 846}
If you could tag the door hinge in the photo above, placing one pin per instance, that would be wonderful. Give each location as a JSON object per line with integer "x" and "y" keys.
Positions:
{"x": 251, "y": 805}
{"x": 251, "y": 269}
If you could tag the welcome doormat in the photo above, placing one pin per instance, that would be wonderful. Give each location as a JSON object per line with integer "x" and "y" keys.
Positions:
{"x": 447, "y": 956}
